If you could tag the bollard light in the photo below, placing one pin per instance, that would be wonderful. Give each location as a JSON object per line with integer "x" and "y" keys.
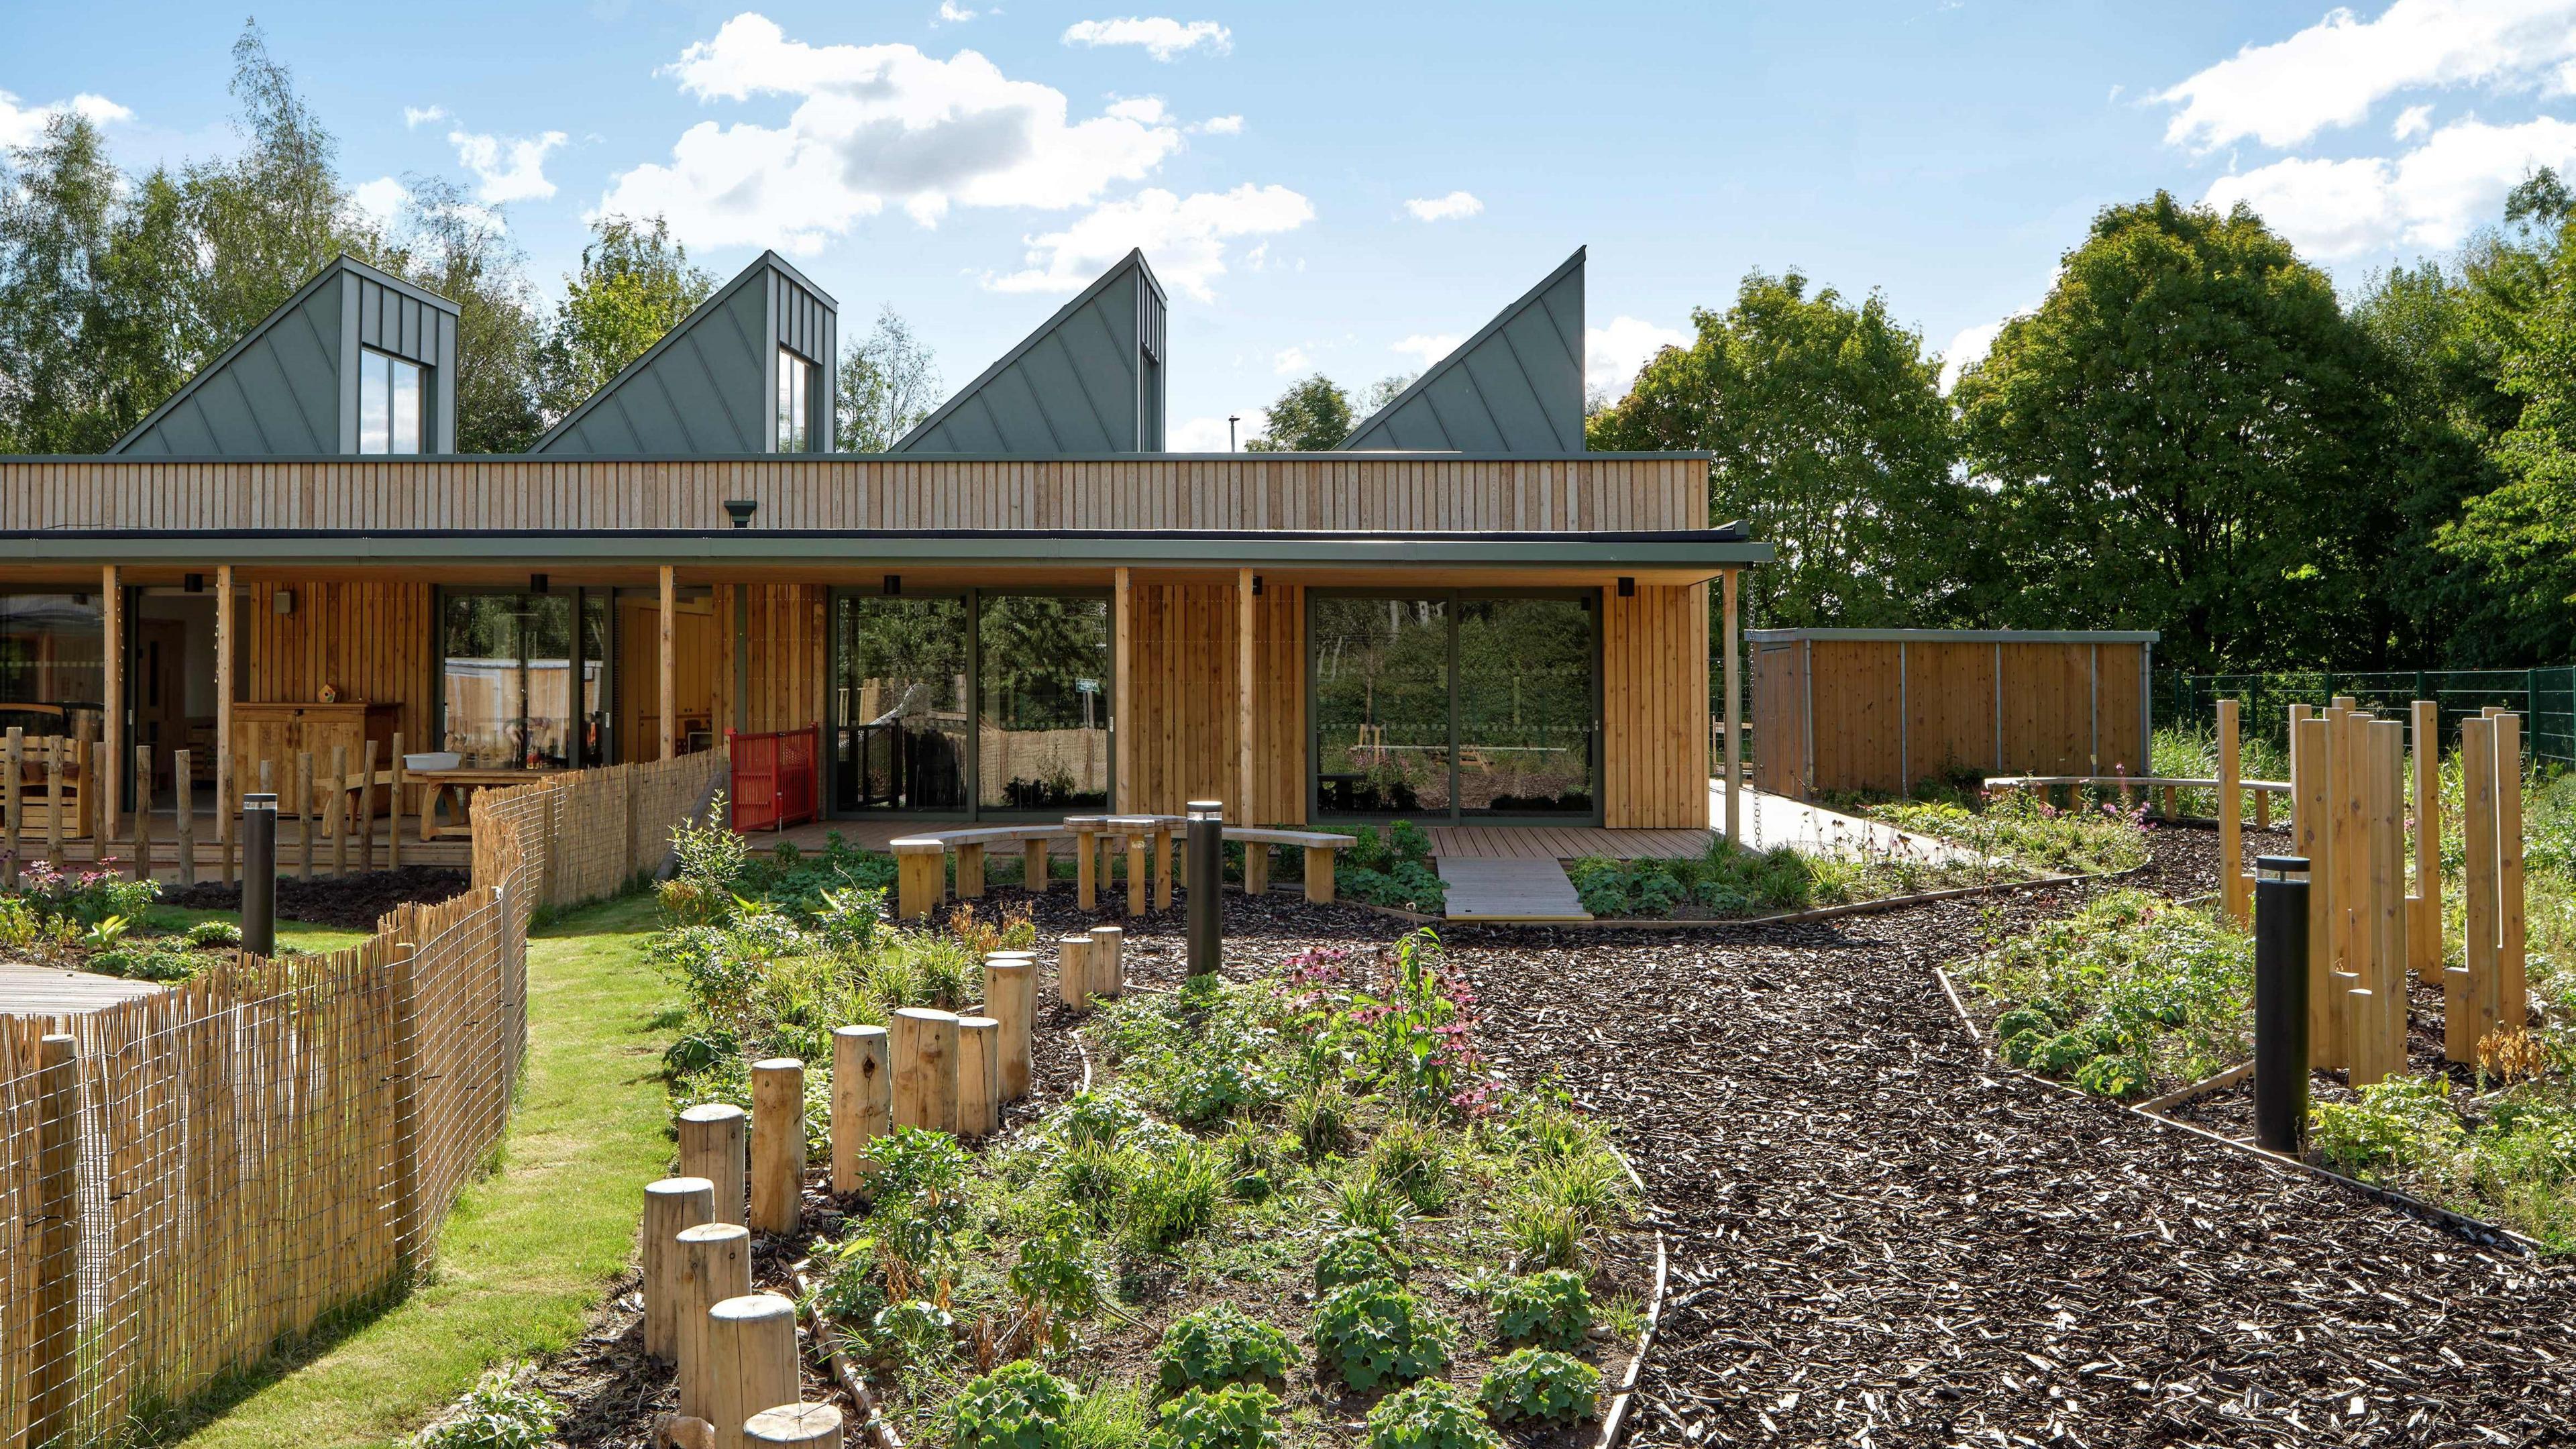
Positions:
{"x": 2281, "y": 1002}
{"x": 1207, "y": 878}
{"x": 259, "y": 874}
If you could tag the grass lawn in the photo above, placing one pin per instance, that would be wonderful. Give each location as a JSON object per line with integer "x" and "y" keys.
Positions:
{"x": 529, "y": 1248}
{"x": 302, "y": 935}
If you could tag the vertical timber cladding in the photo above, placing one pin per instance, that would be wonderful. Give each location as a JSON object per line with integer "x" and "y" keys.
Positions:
{"x": 1654, "y": 708}
{"x": 788, "y": 645}
{"x": 1183, "y": 700}
{"x": 1778, "y": 680}
{"x": 372, "y": 642}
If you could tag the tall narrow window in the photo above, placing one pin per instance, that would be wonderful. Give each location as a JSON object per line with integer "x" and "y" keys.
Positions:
{"x": 795, "y": 401}
{"x": 391, "y": 410}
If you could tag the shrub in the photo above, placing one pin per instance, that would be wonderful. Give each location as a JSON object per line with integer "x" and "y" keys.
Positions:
{"x": 499, "y": 1412}
{"x": 1375, "y": 1332}
{"x": 2398, "y": 1123}
{"x": 1546, "y": 1387}
{"x": 1239, "y": 1417}
{"x": 1016, "y": 1406}
{"x": 1429, "y": 1415}
{"x": 214, "y": 933}
{"x": 1221, "y": 1345}
{"x": 1551, "y": 1309}
{"x": 1357, "y": 1255}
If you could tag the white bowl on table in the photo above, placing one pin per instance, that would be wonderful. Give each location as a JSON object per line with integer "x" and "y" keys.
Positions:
{"x": 433, "y": 761}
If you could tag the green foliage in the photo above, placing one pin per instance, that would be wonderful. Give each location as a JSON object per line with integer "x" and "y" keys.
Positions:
{"x": 1358, "y": 1255}
{"x": 214, "y": 933}
{"x": 1235, "y": 1417}
{"x": 1543, "y": 1234}
{"x": 1413, "y": 1158}
{"x": 2402, "y": 1122}
{"x": 635, "y": 284}
{"x": 502, "y": 1411}
{"x": 1540, "y": 1386}
{"x": 1221, "y": 1345}
{"x": 1016, "y": 1406}
{"x": 1551, "y": 1309}
{"x": 2021, "y": 827}
{"x": 1173, "y": 1195}
{"x": 1429, "y": 1415}
{"x": 888, "y": 383}
{"x": 1376, "y": 1332}
{"x": 1393, "y": 870}
{"x": 2129, "y": 994}
{"x": 1312, "y": 416}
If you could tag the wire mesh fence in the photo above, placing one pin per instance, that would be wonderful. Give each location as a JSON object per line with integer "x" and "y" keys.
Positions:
{"x": 2545, "y": 698}
{"x": 188, "y": 1178}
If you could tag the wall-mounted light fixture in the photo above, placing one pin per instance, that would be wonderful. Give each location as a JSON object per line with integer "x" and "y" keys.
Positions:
{"x": 193, "y": 583}
{"x": 1256, "y": 586}
{"x": 894, "y": 584}
{"x": 1627, "y": 587}
{"x": 283, "y": 601}
{"x": 536, "y": 583}
{"x": 740, "y": 510}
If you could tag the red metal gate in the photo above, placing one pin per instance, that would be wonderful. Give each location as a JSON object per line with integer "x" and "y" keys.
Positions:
{"x": 775, "y": 781}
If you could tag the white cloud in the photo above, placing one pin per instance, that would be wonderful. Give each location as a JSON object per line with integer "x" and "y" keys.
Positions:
{"x": 381, "y": 200}
{"x": 1204, "y": 435}
{"x": 952, "y": 13}
{"x": 414, "y": 117}
{"x": 2412, "y": 121}
{"x": 2331, "y": 73}
{"x": 1221, "y": 126}
{"x": 1288, "y": 360}
{"x": 1163, "y": 38}
{"x": 1612, "y": 354}
{"x": 1967, "y": 349}
{"x": 2431, "y": 197}
{"x": 511, "y": 168}
{"x": 1147, "y": 110}
{"x": 1456, "y": 206}
{"x": 1185, "y": 237}
{"x": 874, "y": 124}
{"x": 22, "y": 125}
{"x": 1428, "y": 347}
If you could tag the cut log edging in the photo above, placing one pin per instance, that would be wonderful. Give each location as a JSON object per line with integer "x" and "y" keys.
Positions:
{"x": 2476, "y": 1230}
{"x": 874, "y": 1424}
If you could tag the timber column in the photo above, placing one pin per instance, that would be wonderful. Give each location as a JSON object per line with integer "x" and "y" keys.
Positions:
{"x": 110, "y": 771}
{"x": 1247, "y": 609}
{"x": 1734, "y": 734}
{"x": 666, "y": 700}
{"x": 1122, "y": 719}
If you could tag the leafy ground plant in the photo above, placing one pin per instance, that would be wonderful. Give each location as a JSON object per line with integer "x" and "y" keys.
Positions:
{"x": 1239, "y": 1416}
{"x": 1221, "y": 1345}
{"x": 1541, "y": 1385}
{"x": 1393, "y": 871}
{"x": 2130, "y": 995}
{"x": 1550, "y": 1309}
{"x": 500, "y": 1412}
{"x": 1429, "y": 1415}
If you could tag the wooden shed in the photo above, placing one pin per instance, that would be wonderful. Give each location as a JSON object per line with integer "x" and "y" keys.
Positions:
{"x": 1883, "y": 709}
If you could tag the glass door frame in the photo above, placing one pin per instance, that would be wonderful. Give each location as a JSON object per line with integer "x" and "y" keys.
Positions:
{"x": 972, "y": 596}
{"x": 1450, "y": 599}
{"x": 580, "y": 596}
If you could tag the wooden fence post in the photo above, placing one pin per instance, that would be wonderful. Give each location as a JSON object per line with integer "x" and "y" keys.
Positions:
{"x": 751, "y": 1362}
{"x": 2309, "y": 793}
{"x": 2481, "y": 1008}
{"x": 335, "y": 811}
{"x": 142, "y": 812}
{"x": 409, "y": 1248}
{"x": 862, "y": 1102}
{"x": 713, "y": 1146}
{"x": 394, "y": 809}
{"x": 777, "y": 1145}
{"x": 979, "y": 1082}
{"x": 1010, "y": 997}
{"x": 2231, "y": 821}
{"x": 671, "y": 1205}
{"x": 183, "y": 811}
{"x": 715, "y": 1265}
{"x": 13, "y": 758}
{"x": 1073, "y": 971}
{"x": 304, "y": 815}
{"x": 2424, "y": 903}
{"x": 2512, "y": 993}
{"x": 2384, "y": 917}
{"x": 53, "y": 1364}
{"x": 367, "y": 808}
{"x": 925, "y": 1069}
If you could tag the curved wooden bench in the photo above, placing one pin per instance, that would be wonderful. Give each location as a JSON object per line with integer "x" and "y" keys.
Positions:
{"x": 920, "y": 862}
{"x": 1320, "y": 847}
{"x": 921, "y": 859}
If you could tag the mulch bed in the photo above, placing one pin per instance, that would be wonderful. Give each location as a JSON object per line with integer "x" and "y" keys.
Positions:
{"x": 355, "y": 902}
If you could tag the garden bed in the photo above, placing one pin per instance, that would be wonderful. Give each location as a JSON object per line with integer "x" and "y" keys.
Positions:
{"x": 352, "y": 902}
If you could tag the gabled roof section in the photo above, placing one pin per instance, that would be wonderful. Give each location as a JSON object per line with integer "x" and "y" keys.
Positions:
{"x": 709, "y": 385}
{"x": 1516, "y": 387}
{"x": 286, "y": 389}
{"x": 1090, "y": 380}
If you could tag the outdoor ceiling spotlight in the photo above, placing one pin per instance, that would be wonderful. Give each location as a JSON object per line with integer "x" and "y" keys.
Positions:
{"x": 1627, "y": 587}
{"x": 536, "y": 583}
{"x": 740, "y": 510}
{"x": 894, "y": 583}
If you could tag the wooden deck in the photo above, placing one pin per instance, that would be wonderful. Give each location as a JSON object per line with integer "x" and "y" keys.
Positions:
{"x": 1566, "y": 842}
{"x": 42, "y": 991}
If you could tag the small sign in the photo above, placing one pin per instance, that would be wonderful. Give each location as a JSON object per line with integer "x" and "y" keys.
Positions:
{"x": 1086, "y": 686}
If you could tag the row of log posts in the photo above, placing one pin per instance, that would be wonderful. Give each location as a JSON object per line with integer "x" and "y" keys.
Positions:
{"x": 2489, "y": 992}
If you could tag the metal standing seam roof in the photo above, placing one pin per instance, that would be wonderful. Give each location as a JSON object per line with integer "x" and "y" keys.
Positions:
{"x": 1088, "y": 380}
{"x": 1516, "y": 386}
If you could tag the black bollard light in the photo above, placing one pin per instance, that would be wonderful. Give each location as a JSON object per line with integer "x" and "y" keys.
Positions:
{"x": 1207, "y": 879}
{"x": 259, "y": 874}
{"x": 2281, "y": 1002}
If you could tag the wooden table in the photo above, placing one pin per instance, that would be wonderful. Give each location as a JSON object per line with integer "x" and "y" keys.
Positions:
{"x": 436, "y": 783}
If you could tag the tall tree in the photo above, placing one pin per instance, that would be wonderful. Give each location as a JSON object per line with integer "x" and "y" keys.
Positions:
{"x": 1312, "y": 416}
{"x": 463, "y": 252}
{"x": 58, "y": 205}
{"x": 635, "y": 284}
{"x": 1831, "y": 440}
{"x": 888, "y": 383}
{"x": 2183, "y": 437}
{"x": 266, "y": 220}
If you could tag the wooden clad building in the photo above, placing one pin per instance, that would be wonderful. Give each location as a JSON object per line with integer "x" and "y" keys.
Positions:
{"x": 1493, "y": 636}
{"x": 1885, "y": 709}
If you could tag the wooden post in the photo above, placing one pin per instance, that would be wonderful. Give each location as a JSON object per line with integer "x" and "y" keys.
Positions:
{"x": 1256, "y": 868}
{"x": 367, "y": 808}
{"x": 2512, "y": 989}
{"x": 715, "y": 1265}
{"x": 2383, "y": 915}
{"x": 970, "y": 870}
{"x": 671, "y": 1204}
{"x": 751, "y": 1362}
{"x": 1734, "y": 732}
{"x": 304, "y": 815}
{"x": 53, "y": 1362}
{"x": 2348, "y": 843}
{"x": 777, "y": 1145}
{"x": 335, "y": 811}
{"x": 1105, "y": 964}
{"x": 919, "y": 864}
{"x": 2231, "y": 827}
{"x": 394, "y": 808}
{"x": 410, "y": 1243}
{"x": 1086, "y": 866}
{"x": 1247, "y": 616}
{"x": 2308, "y": 793}
{"x": 1319, "y": 874}
{"x": 1073, "y": 971}
{"x": 1010, "y": 998}
{"x": 1033, "y": 867}
{"x": 2481, "y": 1009}
{"x": 862, "y": 1102}
{"x": 183, "y": 812}
{"x": 925, "y": 1069}
{"x": 1139, "y": 841}
{"x": 1122, "y": 715}
{"x": 667, "y": 691}
{"x": 13, "y": 759}
{"x": 2424, "y": 903}
{"x": 92, "y": 808}
{"x": 54, "y": 799}
{"x": 794, "y": 1426}
{"x": 713, "y": 1145}
{"x": 109, "y": 785}
{"x": 142, "y": 836}
{"x": 1166, "y": 868}
{"x": 227, "y": 789}
{"x": 979, "y": 1077}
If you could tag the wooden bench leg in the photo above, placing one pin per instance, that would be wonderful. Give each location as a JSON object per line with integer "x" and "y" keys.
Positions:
{"x": 1256, "y": 868}
{"x": 1033, "y": 867}
{"x": 970, "y": 872}
{"x": 1136, "y": 874}
{"x": 1165, "y": 867}
{"x": 1319, "y": 874}
{"x": 917, "y": 885}
{"x": 2262, "y": 809}
{"x": 1086, "y": 874}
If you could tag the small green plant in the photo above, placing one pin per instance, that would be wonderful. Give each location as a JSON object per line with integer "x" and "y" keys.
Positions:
{"x": 1362, "y": 1199}
{"x": 1321, "y": 1118}
{"x": 1543, "y": 1234}
{"x": 1551, "y": 1309}
{"x": 2399, "y": 1123}
{"x": 1173, "y": 1197}
{"x": 1356, "y": 1255}
{"x": 1221, "y": 1345}
{"x": 1054, "y": 1279}
{"x": 1541, "y": 1386}
{"x": 1240, "y": 1416}
{"x": 1429, "y": 1415}
{"x": 1376, "y": 1332}
{"x": 1411, "y": 1157}
{"x": 106, "y": 932}
{"x": 214, "y": 933}
{"x": 1016, "y": 1406}
{"x": 501, "y": 1411}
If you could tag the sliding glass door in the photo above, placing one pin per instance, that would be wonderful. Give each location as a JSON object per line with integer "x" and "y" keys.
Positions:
{"x": 525, "y": 679}
{"x": 899, "y": 715}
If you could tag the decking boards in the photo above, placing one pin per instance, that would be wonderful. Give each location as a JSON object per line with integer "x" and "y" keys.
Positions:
{"x": 1491, "y": 888}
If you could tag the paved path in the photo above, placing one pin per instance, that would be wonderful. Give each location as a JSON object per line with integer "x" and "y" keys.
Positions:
{"x": 1485, "y": 889}
{"x": 27, "y": 990}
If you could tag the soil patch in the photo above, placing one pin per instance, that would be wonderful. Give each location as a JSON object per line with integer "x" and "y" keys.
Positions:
{"x": 353, "y": 902}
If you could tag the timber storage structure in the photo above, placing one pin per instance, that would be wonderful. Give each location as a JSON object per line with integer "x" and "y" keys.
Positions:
{"x": 1886, "y": 709}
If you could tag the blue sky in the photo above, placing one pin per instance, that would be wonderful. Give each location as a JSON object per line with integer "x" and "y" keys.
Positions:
{"x": 1350, "y": 188}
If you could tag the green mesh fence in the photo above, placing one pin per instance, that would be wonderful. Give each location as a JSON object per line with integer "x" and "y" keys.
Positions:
{"x": 2545, "y": 698}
